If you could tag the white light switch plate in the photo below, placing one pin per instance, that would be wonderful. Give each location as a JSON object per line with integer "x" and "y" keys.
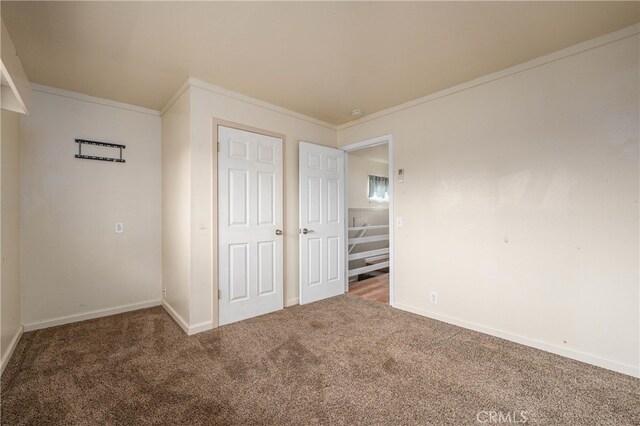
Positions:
{"x": 399, "y": 221}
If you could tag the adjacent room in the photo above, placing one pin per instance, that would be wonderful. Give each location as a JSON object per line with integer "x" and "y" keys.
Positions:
{"x": 368, "y": 201}
{"x": 291, "y": 213}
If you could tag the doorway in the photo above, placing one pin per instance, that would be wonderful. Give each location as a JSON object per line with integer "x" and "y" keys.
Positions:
{"x": 369, "y": 213}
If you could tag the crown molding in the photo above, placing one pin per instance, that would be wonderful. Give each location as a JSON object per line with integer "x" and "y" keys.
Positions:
{"x": 194, "y": 82}
{"x": 92, "y": 99}
{"x": 621, "y": 34}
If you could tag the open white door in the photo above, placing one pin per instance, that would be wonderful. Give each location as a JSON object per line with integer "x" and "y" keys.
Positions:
{"x": 322, "y": 226}
{"x": 250, "y": 219}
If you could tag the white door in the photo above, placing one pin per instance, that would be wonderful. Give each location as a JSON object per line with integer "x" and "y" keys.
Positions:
{"x": 250, "y": 223}
{"x": 322, "y": 223}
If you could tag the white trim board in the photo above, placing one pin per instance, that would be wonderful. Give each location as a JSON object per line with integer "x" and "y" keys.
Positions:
{"x": 189, "y": 330}
{"x": 175, "y": 96}
{"x": 92, "y": 99}
{"x": 12, "y": 347}
{"x": 533, "y": 63}
{"x": 176, "y": 316}
{"x": 291, "y": 302}
{"x": 90, "y": 315}
{"x": 527, "y": 341}
{"x": 199, "y": 328}
{"x": 194, "y": 82}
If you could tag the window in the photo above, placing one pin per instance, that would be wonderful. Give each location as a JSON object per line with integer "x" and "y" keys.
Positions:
{"x": 378, "y": 189}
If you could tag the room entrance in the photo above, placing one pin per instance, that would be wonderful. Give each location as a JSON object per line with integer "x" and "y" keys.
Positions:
{"x": 368, "y": 200}
{"x": 346, "y": 208}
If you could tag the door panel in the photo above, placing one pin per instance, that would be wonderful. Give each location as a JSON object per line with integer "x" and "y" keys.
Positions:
{"x": 266, "y": 267}
{"x": 250, "y": 255}
{"x": 322, "y": 272}
{"x": 238, "y": 197}
{"x": 266, "y": 194}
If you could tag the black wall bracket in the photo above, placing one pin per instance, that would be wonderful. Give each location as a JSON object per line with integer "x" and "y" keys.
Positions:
{"x": 80, "y": 142}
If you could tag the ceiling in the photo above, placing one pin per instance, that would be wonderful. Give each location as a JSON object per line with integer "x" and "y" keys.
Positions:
{"x": 322, "y": 59}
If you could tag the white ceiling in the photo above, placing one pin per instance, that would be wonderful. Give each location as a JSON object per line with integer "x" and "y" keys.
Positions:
{"x": 321, "y": 59}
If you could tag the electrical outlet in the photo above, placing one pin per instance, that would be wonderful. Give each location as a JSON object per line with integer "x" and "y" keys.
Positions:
{"x": 164, "y": 290}
{"x": 119, "y": 228}
{"x": 434, "y": 297}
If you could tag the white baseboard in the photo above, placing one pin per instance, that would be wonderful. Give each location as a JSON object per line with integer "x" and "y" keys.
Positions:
{"x": 90, "y": 315}
{"x": 547, "y": 347}
{"x": 291, "y": 302}
{"x": 199, "y": 328}
{"x": 189, "y": 330}
{"x": 176, "y": 316}
{"x": 12, "y": 347}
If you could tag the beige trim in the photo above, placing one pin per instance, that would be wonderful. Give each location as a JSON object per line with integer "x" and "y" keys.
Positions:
{"x": 631, "y": 370}
{"x": 217, "y": 122}
{"x": 175, "y": 315}
{"x": 99, "y": 313}
{"x": 193, "y": 82}
{"x": 12, "y": 347}
{"x": 184, "y": 86}
{"x": 257, "y": 102}
{"x": 92, "y": 99}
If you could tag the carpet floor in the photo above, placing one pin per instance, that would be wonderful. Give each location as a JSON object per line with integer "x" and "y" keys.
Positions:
{"x": 339, "y": 361}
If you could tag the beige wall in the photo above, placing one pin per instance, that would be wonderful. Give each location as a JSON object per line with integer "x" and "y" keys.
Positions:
{"x": 73, "y": 263}
{"x": 10, "y": 298}
{"x": 206, "y": 104}
{"x": 176, "y": 166}
{"x": 359, "y": 171}
{"x": 520, "y": 204}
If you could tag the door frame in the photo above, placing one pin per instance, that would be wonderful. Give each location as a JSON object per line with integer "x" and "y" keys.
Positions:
{"x": 215, "y": 274}
{"x": 388, "y": 139}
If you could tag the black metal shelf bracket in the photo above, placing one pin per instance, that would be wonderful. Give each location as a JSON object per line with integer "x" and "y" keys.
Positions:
{"x": 119, "y": 159}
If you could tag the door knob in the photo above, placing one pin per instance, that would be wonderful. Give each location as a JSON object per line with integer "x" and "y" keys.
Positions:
{"x": 306, "y": 231}
{"x": 278, "y": 232}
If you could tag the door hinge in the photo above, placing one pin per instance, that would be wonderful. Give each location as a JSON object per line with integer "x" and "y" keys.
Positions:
{"x": 218, "y": 146}
{"x": 219, "y": 294}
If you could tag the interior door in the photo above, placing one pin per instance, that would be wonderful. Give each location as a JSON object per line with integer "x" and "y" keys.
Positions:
{"x": 250, "y": 223}
{"x": 322, "y": 222}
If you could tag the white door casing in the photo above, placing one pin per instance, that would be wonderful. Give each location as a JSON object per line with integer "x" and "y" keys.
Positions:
{"x": 322, "y": 245}
{"x": 250, "y": 217}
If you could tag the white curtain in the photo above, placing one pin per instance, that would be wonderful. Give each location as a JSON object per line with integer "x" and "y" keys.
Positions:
{"x": 378, "y": 188}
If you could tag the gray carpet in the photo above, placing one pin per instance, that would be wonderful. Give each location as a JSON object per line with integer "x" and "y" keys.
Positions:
{"x": 340, "y": 361}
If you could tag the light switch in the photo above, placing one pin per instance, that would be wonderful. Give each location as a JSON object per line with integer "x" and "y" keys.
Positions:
{"x": 400, "y": 175}
{"x": 119, "y": 228}
{"x": 399, "y": 221}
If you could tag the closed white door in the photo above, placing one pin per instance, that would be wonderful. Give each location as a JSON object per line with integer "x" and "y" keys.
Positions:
{"x": 250, "y": 223}
{"x": 322, "y": 226}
